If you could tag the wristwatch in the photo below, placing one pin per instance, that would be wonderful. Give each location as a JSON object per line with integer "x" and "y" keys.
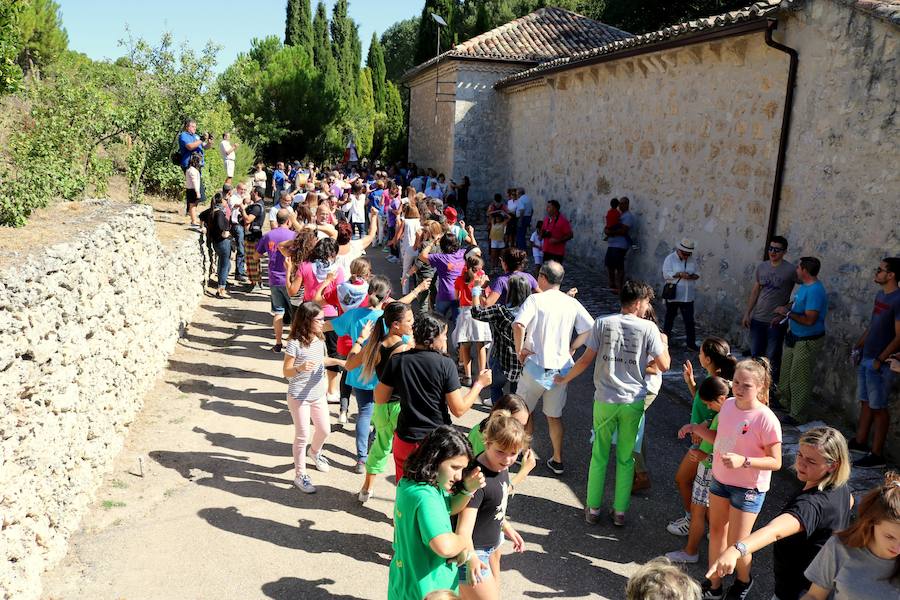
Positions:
{"x": 741, "y": 547}
{"x": 746, "y": 464}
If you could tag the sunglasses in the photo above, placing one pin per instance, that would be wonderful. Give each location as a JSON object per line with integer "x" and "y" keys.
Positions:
{"x": 776, "y": 249}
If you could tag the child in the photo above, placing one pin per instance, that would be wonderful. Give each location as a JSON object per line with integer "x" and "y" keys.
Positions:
{"x": 612, "y": 217}
{"x": 747, "y": 449}
{"x": 468, "y": 330}
{"x": 192, "y": 190}
{"x": 498, "y": 229}
{"x": 659, "y": 578}
{"x": 390, "y": 335}
{"x": 863, "y": 561}
{"x": 304, "y": 366}
{"x": 537, "y": 245}
{"x": 515, "y": 405}
{"x": 716, "y": 359}
{"x": 483, "y": 520}
{"x": 424, "y": 543}
{"x": 713, "y": 392}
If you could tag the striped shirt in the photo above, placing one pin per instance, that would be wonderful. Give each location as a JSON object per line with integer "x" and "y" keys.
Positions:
{"x": 307, "y": 386}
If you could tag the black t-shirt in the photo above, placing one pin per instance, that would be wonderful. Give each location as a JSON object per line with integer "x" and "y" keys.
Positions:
{"x": 821, "y": 513}
{"x": 491, "y": 504}
{"x": 422, "y": 379}
{"x": 254, "y": 230}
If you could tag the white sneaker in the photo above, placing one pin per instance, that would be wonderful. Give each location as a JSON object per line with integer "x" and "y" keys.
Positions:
{"x": 364, "y": 496}
{"x": 680, "y": 556}
{"x": 680, "y": 526}
{"x": 305, "y": 484}
{"x": 342, "y": 418}
{"x": 321, "y": 463}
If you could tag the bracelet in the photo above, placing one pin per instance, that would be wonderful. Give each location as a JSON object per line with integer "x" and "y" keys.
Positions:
{"x": 358, "y": 343}
{"x": 465, "y": 492}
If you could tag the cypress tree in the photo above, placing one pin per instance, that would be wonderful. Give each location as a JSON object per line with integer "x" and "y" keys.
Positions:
{"x": 375, "y": 62}
{"x": 426, "y": 42}
{"x": 298, "y": 25}
{"x": 341, "y": 41}
{"x": 322, "y": 57}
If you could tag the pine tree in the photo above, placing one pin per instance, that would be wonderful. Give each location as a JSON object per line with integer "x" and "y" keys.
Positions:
{"x": 42, "y": 34}
{"x": 298, "y": 25}
{"x": 322, "y": 56}
{"x": 375, "y": 62}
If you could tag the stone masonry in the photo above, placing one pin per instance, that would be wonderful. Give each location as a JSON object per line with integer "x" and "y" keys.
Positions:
{"x": 87, "y": 325}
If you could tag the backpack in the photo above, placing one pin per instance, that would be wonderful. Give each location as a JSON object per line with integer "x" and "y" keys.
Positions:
{"x": 257, "y": 224}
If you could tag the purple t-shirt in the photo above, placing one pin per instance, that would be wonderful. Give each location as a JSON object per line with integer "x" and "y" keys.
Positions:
{"x": 448, "y": 268}
{"x": 269, "y": 244}
{"x": 391, "y": 217}
{"x": 501, "y": 284}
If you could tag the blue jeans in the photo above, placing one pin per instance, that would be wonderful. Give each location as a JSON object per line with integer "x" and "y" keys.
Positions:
{"x": 237, "y": 233}
{"x": 365, "y": 403}
{"x": 223, "y": 252}
{"x": 522, "y": 232}
{"x": 767, "y": 340}
{"x": 498, "y": 381}
{"x": 363, "y": 229}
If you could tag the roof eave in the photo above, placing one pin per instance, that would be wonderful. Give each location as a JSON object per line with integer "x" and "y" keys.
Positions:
{"x": 696, "y": 37}
{"x": 418, "y": 70}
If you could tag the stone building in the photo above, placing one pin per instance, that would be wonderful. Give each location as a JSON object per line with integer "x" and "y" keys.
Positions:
{"x": 778, "y": 118}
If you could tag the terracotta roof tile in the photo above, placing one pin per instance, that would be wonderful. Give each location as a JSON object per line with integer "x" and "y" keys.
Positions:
{"x": 544, "y": 34}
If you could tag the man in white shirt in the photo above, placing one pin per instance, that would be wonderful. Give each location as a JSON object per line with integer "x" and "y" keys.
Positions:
{"x": 524, "y": 211}
{"x": 285, "y": 201}
{"x": 680, "y": 269}
{"x": 543, "y": 339}
{"x": 227, "y": 150}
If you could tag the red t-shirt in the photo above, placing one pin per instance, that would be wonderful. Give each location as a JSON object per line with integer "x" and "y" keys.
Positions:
{"x": 558, "y": 228}
{"x": 612, "y": 217}
{"x": 464, "y": 290}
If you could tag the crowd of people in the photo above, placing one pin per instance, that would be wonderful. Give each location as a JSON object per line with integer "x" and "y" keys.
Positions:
{"x": 413, "y": 359}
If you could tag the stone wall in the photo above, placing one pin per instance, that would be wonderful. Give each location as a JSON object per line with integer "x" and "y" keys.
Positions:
{"x": 691, "y": 136}
{"x": 430, "y": 138}
{"x": 87, "y": 324}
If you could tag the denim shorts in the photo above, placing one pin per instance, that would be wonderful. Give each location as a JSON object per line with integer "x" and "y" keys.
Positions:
{"x": 483, "y": 554}
{"x": 281, "y": 300}
{"x": 744, "y": 499}
{"x": 874, "y": 386}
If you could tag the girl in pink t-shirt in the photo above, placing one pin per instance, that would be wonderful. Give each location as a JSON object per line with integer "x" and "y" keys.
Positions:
{"x": 746, "y": 451}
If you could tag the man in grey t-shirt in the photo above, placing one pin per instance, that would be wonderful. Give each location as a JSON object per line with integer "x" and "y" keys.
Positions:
{"x": 775, "y": 280}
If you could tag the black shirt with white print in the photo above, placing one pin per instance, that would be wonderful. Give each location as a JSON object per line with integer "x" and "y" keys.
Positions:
{"x": 491, "y": 504}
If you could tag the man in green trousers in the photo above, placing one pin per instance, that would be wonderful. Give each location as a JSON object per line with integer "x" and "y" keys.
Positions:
{"x": 623, "y": 344}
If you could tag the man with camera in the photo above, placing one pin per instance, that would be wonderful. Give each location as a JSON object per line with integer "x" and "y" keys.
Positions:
{"x": 189, "y": 144}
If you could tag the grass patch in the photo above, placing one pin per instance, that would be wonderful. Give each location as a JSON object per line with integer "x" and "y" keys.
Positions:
{"x": 108, "y": 504}
{"x": 119, "y": 484}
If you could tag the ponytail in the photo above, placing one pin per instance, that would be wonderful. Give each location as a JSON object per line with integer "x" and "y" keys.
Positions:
{"x": 371, "y": 354}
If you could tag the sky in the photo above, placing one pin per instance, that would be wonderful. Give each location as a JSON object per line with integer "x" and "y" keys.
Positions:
{"x": 96, "y": 26}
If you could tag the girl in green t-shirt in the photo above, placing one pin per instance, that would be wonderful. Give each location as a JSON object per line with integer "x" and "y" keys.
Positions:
{"x": 713, "y": 392}
{"x": 426, "y": 551}
{"x": 715, "y": 357}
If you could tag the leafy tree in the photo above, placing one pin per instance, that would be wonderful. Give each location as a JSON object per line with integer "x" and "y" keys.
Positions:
{"x": 298, "y": 25}
{"x": 394, "y": 129}
{"x": 650, "y": 15}
{"x": 426, "y": 40}
{"x": 375, "y": 62}
{"x": 10, "y": 41}
{"x": 262, "y": 51}
{"x": 43, "y": 38}
{"x": 398, "y": 43}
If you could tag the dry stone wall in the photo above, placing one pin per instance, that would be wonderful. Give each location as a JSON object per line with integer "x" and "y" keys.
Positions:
{"x": 431, "y": 123}
{"x": 87, "y": 325}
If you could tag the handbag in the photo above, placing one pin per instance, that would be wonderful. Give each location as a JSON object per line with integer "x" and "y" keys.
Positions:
{"x": 669, "y": 290}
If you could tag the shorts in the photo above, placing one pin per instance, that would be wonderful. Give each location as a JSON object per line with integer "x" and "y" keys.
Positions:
{"x": 700, "y": 490}
{"x": 281, "y": 301}
{"x": 748, "y": 500}
{"x": 498, "y": 244}
{"x": 615, "y": 258}
{"x": 483, "y": 554}
{"x": 874, "y": 386}
{"x": 532, "y": 391}
{"x": 190, "y": 198}
{"x": 229, "y": 168}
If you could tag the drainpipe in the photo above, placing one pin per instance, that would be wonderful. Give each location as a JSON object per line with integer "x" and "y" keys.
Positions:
{"x": 775, "y": 204}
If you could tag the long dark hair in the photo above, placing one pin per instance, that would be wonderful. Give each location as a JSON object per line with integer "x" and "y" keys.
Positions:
{"x": 325, "y": 250}
{"x": 301, "y": 326}
{"x": 718, "y": 352}
{"x": 473, "y": 265}
{"x": 393, "y": 312}
{"x": 441, "y": 444}
{"x": 302, "y": 247}
{"x": 517, "y": 291}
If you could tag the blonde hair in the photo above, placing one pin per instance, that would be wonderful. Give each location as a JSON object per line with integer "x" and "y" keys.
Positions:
{"x": 505, "y": 431}
{"x": 659, "y": 579}
{"x": 832, "y": 445}
{"x": 441, "y": 595}
{"x": 761, "y": 369}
